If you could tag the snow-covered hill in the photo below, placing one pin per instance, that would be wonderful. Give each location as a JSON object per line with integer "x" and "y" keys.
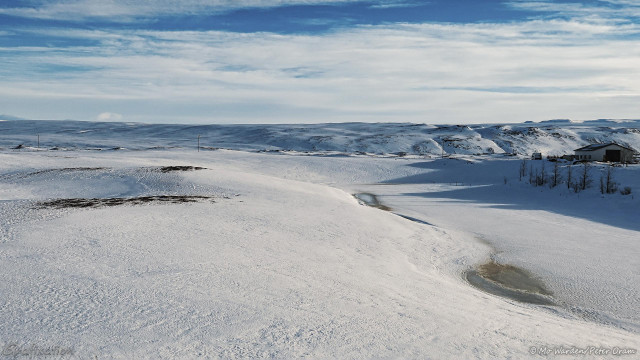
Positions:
{"x": 275, "y": 263}
{"x": 554, "y": 137}
{"x": 236, "y": 254}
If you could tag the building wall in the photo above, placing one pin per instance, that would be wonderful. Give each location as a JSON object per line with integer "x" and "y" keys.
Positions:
{"x": 598, "y": 155}
{"x": 626, "y": 156}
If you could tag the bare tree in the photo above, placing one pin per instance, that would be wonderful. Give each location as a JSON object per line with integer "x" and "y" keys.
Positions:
{"x": 576, "y": 187}
{"x": 610, "y": 185}
{"x": 523, "y": 169}
{"x": 555, "y": 175}
{"x": 585, "y": 179}
{"x": 569, "y": 177}
{"x": 531, "y": 174}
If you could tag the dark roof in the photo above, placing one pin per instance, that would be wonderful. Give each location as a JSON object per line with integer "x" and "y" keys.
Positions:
{"x": 593, "y": 147}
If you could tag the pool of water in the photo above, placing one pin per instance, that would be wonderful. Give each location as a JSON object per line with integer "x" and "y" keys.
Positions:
{"x": 511, "y": 282}
{"x": 498, "y": 279}
{"x": 371, "y": 200}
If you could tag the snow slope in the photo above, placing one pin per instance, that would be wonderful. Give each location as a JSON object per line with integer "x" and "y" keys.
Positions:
{"x": 284, "y": 263}
{"x": 582, "y": 245}
{"x": 552, "y": 137}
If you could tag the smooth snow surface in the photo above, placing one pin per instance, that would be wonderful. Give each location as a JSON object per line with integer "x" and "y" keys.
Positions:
{"x": 286, "y": 263}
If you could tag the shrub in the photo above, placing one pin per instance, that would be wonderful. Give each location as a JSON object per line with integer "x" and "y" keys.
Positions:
{"x": 625, "y": 191}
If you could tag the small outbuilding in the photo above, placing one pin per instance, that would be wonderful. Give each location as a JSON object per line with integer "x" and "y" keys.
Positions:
{"x": 605, "y": 152}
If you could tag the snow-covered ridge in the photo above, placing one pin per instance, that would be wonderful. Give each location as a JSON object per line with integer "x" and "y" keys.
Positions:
{"x": 554, "y": 137}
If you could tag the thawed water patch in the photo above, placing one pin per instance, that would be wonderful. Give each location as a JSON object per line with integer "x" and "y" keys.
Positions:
{"x": 371, "y": 200}
{"x": 411, "y": 218}
{"x": 511, "y": 282}
{"x": 503, "y": 280}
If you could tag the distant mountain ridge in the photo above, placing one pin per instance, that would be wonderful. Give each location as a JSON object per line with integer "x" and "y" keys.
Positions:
{"x": 10, "y": 117}
{"x": 553, "y": 137}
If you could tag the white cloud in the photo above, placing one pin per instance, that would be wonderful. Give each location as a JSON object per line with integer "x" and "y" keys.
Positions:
{"x": 622, "y": 9}
{"x": 399, "y": 4}
{"x": 127, "y": 10}
{"x": 431, "y": 72}
{"x": 108, "y": 116}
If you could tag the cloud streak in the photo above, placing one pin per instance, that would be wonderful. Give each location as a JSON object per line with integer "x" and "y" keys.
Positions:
{"x": 618, "y": 10}
{"x": 578, "y": 62}
{"x": 430, "y": 72}
{"x": 126, "y": 10}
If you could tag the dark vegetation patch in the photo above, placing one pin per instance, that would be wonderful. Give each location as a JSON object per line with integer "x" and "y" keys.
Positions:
{"x": 163, "y": 169}
{"x": 71, "y": 169}
{"x": 141, "y": 200}
{"x": 166, "y": 169}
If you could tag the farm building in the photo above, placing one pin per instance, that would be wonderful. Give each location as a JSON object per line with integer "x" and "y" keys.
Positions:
{"x": 605, "y": 152}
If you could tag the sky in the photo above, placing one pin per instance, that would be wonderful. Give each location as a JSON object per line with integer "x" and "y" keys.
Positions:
{"x": 311, "y": 61}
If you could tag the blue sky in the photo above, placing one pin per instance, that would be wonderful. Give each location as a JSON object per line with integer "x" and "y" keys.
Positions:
{"x": 295, "y": 61}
